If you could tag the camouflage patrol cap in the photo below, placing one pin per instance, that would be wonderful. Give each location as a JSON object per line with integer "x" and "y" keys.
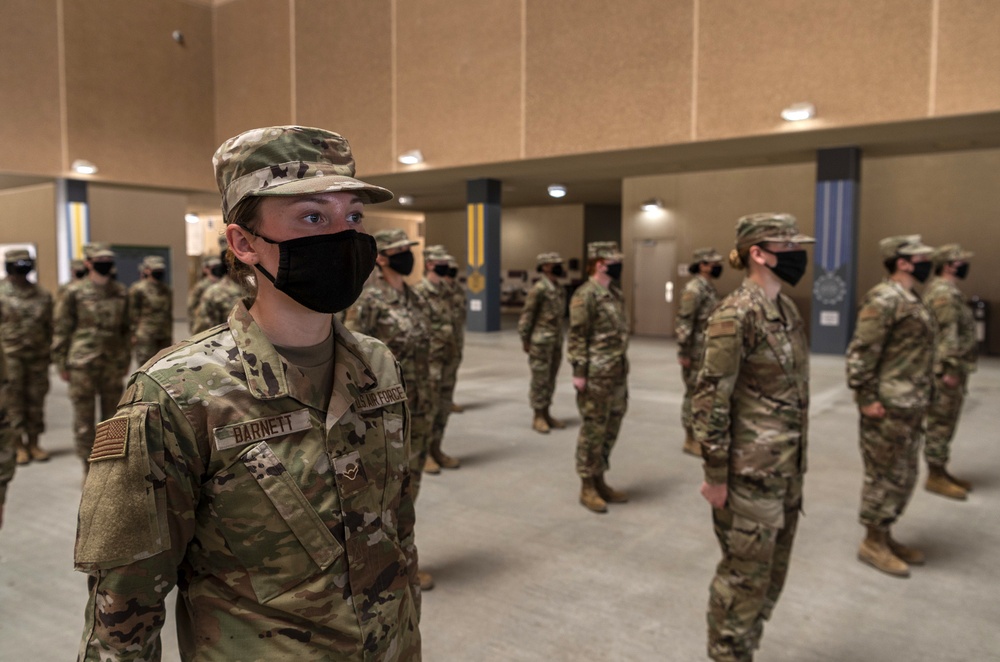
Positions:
{"x": 95, "y": 250}
{"x": 394, "y": 238}
{"x": 548, "y": 258}
{"x": 287, "y": 160}
{"x": 16, "y": 255}
{"x": 77, "y": 265}
{"x": 210, "y": 260}
{"x": 951, "y": 253}
{"x": 154, "y": 262}
{"x": 903, "y": 245}
{"x": 754, "y": 229}
{"x": 706, "y": 255}
{"x": 437, "y": 253}
{"x": 604, "y": 250}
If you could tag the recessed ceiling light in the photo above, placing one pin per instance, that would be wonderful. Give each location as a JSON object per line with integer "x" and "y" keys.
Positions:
{"x": 557, "y": 191}
{"x": 798, "y": 112}
{"x": 412, "y": 157}
{"x": 192, "y": 218}
{"x": 652, "y": 204}
{"x": 405, "y": 200}
{"x": 83, "y": 167}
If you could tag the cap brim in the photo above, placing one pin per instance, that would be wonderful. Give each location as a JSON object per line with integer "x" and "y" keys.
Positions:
{"x": 917, "y": 250}
{"x": 798, "y": 239}
{"x": 398, "y": 244}
{"x": 369, "y": 193}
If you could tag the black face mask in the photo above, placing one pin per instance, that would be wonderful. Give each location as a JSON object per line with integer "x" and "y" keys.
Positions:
{"x": 401, "y": 263}
{"x": 452, "y": 272}
{"x": 103, "y": 268}
{"x": 716, "y": 270}
{"x": 158, "y": 274}
{"x": 791, "y": 265}
{"x": 921, "y": 270}
{"x": 558, "y": 271}
{"x": 441, "y": 270}
{"x": 326, "y": 272}
{"x": 615, "y": 270}
{"x": 962, "y": 271}
{"x": 219, "y": 270}
{"x": 80, "y": 273}
{"x": 21, "y": 267}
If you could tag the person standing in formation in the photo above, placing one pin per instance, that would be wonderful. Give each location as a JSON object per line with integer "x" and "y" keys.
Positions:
{"x": 460, "y": 306}
{"x": 697, "y": 302}
{"x": 78, "y": 271}
{"x": 596, "y": 347}
{"x": 219, "y": 298}
{"x": 391, "y": 311}
{"x": 890, "y": 368}
{"x": 954, "y": 361}
{"x": 750, "y": 411}
{"x": 263, "y": 467}
{"x": 211, "y": 271}
{"x": 90, "y": 344}
{"x": 542, "y": 328}
{"x": 443, "y": 351}
{"x": 151, "y": 305}
{"x": 25, "y": 339}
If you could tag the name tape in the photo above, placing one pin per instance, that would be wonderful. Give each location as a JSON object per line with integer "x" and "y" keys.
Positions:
{"x": 248, "y": 432}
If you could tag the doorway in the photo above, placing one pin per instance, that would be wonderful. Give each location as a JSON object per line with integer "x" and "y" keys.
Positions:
{"x": 654, "y": 288}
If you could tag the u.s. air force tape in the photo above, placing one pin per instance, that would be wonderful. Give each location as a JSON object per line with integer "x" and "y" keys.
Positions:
{"x": 376, "y": 399}
{"x": 258, "y": 429}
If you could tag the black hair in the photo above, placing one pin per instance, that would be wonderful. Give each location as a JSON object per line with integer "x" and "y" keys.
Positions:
{"x": 890, "y": 264}
{"x": 694, "y": 268}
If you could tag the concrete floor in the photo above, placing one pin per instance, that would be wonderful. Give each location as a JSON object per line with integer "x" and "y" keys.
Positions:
{"x": 525, "y": 573}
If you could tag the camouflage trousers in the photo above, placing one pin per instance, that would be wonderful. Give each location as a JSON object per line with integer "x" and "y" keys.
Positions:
{"x": 755, "y": 531}
{"x": 24, "y": 394}
{"x": 544, "y": 361}
{"x": 602, "y": 406}
{"x": 890, "y": 448}
{"x": 442, "y": 394}
{"x": 942, "y": 419}
{"x": 143, "y": 350}
{"x": 690, "y": 377}
{"x": 89, "y": 386}
{"x": 421, "y": 419}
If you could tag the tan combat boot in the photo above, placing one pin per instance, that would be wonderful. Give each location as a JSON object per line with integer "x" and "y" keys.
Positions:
{"x": 37, "y": 454}
{"x": 539, "y": 423}
{"x": 443, "y": 460}
{"x": 554, "y": 423}
{"x": 590, "y": 498}
{"x": 608, "y": 493}
{"x": 910, "y": 555}
{"x": 23, "y": 456}
{"x": 875, "y": 552}
{"x": 938, "y": 483}
{"x": 431, "y": 466}
{"x": 457, "y": 408}
{"x": 426, "y": 580}
{"x": 692, "y": 447}
{"x": 964, "y": 484}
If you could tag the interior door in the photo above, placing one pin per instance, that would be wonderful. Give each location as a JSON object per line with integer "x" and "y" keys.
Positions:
{"x": 653, "y": 285}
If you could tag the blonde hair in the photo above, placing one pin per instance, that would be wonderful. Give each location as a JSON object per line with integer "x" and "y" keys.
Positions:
{"x": 738, "y": 258}
{"x": 245, "y": 214}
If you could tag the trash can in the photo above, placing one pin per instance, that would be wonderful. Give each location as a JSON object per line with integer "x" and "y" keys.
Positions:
{"x": 981, "y": 315}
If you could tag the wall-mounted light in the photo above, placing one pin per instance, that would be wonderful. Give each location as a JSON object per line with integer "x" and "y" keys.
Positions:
{"x": 405, "y": 200}
{"x": 653, "y": 204}
{"x": 412, "y": 157}
{"x": 798, "y": 112}
{"x": 557, "y": 191}
{"x": 83, "y": 167}
{"x": 177, "y": 36}
{"x": 192, "y": 218}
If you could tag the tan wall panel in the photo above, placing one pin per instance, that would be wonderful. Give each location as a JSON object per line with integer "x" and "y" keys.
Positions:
{"x": 968, "y": 78}
{"x": 142, "y": 217}
{"x": 252, "y": 66}
{"x": 458, "y": 80}
{"x": 140, "y": 105}
{"x": 858, "y": 61}
{"x": 30, "y": 128}
{"x": 352, "y": 92}
{"x": 603, "y": 77}
{"x": 28, "y": 215}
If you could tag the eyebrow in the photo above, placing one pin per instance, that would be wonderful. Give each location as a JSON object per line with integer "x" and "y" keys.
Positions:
{"x": 319, "y": 199}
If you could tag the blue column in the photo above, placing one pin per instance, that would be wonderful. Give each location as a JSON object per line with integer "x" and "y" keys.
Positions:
{"x": 483, "y": 251}
{"x": 835, "y": 276}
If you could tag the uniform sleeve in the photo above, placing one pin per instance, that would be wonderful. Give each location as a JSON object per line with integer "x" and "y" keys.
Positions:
{"x": 192, "y": 301}
{"x": 124, "y": 331}
{"x": 948, "y": 352}
{"x": 407, "y": 512}
{"x": 684, "y": 326}
{"x": 62, "y": 329}
{"x": 7, "y": 464}
{"x": 363, "y": 316}
{"x": 526, "y": 323}
{"x": 578, "y": 338}
{"x": 136, "y": 519}
{"x": 134, "y": 310}
{"x": 865, "y": 351}
{"x": 46, "y": 324}
{"x": 711, "y": 402}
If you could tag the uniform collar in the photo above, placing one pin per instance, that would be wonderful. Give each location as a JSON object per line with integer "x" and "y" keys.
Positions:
{"x": 909, "y": 295}
{"x": 771, "y": 310}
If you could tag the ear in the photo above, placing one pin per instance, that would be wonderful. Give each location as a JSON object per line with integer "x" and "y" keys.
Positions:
{"x": 240, "y": 245}
{"x": 381, "y": 259}
{"x": 758, "y": 255}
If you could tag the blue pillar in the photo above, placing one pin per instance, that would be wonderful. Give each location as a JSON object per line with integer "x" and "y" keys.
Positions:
{"x": 483, "y": 251}
{"x": 838, "y": 178}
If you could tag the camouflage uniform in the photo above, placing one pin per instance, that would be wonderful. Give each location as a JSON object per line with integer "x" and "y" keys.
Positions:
{"x": 26, "y": 337}
{"x": 955, "y": 354}
{"x": 283, "y": 514}
{"x": 697, "y": 302}
{"x": 460, "y": 308}
{"x": 91, "y": 342}
{"x": 890, "y": 360}
{"x": 151, "y": 314}
{"x": 79, "y": 269}
{"x": 217, "y": 303}
{"x": 7, "y": 439}
{"x": 198, "y": 290}
{"x": 541, "y": 328}
{"x": 596, "y": 346}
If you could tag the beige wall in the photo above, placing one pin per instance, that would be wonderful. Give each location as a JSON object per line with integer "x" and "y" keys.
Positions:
{"x": 28, "y": 215}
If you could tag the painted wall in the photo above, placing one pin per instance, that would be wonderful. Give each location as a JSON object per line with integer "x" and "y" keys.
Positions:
{"x": 28, "y": 215}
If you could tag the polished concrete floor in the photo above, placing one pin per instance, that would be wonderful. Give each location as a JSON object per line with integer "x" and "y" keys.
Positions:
{"x": 525, "y": 573}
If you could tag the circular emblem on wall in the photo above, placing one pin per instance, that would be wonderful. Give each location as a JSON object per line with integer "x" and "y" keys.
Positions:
{"x": 830, "y": 289}
{"x": 476, "y": 282}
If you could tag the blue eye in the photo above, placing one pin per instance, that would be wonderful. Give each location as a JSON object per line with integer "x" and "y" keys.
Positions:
{"x": 356, "y": 217}
{"x": 312, "y": 218}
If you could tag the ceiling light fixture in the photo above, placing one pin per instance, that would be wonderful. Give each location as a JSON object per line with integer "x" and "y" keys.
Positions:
{"x": 83, "y": 167}
{"x": 405, "y": 200}
{"x": 557, "y": 191}
{"x": 192, "y": 218}
{"x": 412, "y": 157}
{"x": 653, "y": 204}
{"x": 798, "y": 112}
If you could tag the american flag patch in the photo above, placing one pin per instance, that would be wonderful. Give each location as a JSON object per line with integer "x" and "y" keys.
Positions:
{"x": 110, "y": 439}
